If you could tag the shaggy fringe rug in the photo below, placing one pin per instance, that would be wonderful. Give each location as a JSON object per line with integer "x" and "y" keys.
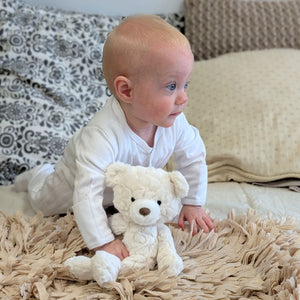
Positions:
{"x": 250, "y": 257}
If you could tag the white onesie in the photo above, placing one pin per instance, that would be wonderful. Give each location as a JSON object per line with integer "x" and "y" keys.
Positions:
{"x": 78, "y": 180}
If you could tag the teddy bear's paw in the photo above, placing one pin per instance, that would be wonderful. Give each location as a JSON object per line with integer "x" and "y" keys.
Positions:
{"x": 105, "y": 267}
{"x": 171, "y": 265}
{"x": 80, "y": 267}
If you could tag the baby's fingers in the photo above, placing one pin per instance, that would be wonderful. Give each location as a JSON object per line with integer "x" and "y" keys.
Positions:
{"x": 181, "y": 220}
{"x": 210, "y": 224}
{"x": 203, "y": 225}
{"x": 125, "y": 253}
{"x": 206, "y": 224}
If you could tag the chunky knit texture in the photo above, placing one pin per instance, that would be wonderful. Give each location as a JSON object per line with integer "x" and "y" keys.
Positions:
{"x": 216, "y": 27}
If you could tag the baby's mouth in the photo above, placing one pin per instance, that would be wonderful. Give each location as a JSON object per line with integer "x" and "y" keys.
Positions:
{"x": 175, "y": 114}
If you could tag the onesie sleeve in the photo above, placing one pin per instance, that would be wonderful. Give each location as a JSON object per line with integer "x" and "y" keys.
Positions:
{"x": 93, "y": 154}
{"x": 190, "y": 155}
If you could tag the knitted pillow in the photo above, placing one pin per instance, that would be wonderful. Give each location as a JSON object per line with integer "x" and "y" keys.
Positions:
{"x": 216, "y": 27}
{"x": 247, "y": 108}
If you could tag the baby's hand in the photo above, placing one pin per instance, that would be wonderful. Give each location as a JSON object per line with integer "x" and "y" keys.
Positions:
{"x": 115, "y": 247}
{"x": 197, "y": 215}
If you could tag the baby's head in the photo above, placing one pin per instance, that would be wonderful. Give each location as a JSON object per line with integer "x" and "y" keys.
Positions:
{"x": 129, "y": 48}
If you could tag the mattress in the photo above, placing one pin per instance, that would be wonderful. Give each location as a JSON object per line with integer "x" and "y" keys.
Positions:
{"x": 222, "y": 197}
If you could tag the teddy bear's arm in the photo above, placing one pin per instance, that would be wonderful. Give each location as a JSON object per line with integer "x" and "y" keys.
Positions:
{"x": 118, "y": 224}
{"x": 168, "y": 260}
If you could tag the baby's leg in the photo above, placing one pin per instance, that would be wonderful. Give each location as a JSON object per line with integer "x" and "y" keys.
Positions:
{"x": 22, "y": 180}
{"x": 48, "y": 190}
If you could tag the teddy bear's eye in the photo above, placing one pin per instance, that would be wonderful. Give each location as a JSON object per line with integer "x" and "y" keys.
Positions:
{"x": 158, "y": 202}
{"x": 132, "y": 199}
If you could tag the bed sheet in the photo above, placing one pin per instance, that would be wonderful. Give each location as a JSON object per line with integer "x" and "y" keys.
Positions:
{"x": 222, "y": 197}
{"x": 225, "y": 196}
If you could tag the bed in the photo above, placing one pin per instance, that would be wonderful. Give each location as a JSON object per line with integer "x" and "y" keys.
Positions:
{"x": 244, "y": 97}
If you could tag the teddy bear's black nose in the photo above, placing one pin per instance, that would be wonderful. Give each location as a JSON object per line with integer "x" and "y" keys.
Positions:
{"x": 144, "y": 211}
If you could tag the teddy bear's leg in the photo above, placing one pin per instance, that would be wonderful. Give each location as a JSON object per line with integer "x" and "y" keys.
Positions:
{"x": 80, "y": 267}
{"x": 135, "y": 263}
{"x": 105, "y": 267}
{"x": 168, "y": 261}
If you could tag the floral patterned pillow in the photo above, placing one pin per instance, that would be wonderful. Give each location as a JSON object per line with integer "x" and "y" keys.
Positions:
{"x": 51, "y": 80}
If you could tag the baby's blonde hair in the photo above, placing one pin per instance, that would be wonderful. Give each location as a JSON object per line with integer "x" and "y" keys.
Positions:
{"x": 126, "y": 48}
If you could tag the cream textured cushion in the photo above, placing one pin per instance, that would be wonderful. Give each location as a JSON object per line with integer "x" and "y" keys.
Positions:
{"x": 247, "y": 108}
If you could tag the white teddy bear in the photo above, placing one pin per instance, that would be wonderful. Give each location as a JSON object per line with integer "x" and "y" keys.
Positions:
{"x": 145, "y": 198}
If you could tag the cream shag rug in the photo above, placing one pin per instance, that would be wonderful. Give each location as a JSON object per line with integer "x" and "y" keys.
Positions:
{"x": 250, "y": 257}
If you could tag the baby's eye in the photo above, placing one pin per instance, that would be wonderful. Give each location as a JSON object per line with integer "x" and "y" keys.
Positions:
{"x": 171, "y": 86}
{"x": 186, "y": 85}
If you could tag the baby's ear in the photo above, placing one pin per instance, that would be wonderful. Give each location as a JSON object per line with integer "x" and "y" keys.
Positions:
{"x": 122, "y": 85}
{"x": 113, "y": 173}
{"x": 180, "y": 184}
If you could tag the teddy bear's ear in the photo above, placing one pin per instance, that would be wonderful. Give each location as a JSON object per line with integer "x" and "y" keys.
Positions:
{"x": 180, "y": 184}
{"x": 113, "y": 172}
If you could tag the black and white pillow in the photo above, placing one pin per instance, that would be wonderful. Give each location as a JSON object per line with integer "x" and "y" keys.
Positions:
{"x": 51, "y": 80}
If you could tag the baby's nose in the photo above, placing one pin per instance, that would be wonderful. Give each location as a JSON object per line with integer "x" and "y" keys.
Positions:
{"x": 182, "y": 98}
{"x": 144, "y": 211}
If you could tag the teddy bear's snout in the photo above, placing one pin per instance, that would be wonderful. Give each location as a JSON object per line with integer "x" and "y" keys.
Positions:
{"x": 144, "y": 211}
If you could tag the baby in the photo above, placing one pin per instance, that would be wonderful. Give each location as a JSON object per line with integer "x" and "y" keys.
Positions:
{"x": 147, "y": 64}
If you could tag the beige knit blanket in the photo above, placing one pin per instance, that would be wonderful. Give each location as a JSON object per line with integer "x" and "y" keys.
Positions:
{"x": 250, "y": 257}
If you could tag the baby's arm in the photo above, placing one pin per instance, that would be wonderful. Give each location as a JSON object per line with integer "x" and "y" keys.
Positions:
{"x": 196, "y": 215}
{"x": 190, "y": 156}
